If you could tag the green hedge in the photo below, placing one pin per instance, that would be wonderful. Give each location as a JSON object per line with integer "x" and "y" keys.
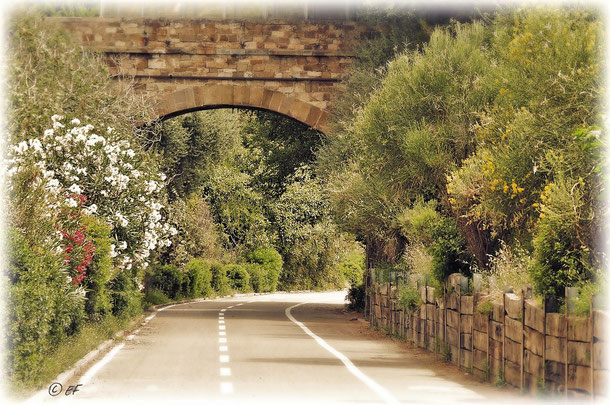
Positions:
{"x": 168, "y": 279}
{"x": 220, "y": 281}
{"x": 239, "y": 278}
{"x": 98, "y": 303}
{"x": 199, "y": 274}
{"x": 42, "y": 311}
{"x": 264, "y": 266}
{"x": 125, "y": 295}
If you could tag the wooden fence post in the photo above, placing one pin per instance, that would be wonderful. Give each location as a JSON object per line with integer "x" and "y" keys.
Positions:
{"x": 504, "y": 334}
{"x": 522, "y": 336}
{"x": 435, "y": 324}
{"x": 425, "y": 315}
{"x": 544, "y": 342}
{"x": 565, "y": 322}
{"x": 445, "y": 312}
{"x": 488, "y": 337}
{"x": 474, "y": 299}
{"x": 460, "y": 324}
{"x": 592, "y": 328}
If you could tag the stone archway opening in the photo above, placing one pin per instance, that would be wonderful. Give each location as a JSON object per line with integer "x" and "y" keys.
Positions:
{"x": 195, "y": 98}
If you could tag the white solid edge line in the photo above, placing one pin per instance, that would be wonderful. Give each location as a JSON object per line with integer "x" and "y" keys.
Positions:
{"x": 106, "y": 359}
{"x": 98, "y": 366}
{"x": 369, "y": 382}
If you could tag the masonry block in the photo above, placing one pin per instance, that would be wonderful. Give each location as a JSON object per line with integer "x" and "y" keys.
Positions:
{"x": 241, "y": 95}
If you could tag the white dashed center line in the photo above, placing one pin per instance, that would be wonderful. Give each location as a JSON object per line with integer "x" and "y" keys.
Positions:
{"x": 226, "y": 387}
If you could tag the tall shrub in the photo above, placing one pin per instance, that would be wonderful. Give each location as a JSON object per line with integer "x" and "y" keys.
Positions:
{"x": 200, "y": 278}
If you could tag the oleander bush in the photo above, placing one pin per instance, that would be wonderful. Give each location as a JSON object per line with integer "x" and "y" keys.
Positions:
{"x": 97, "y": 304}
{"x": 43, "y": 309}
{"x": 66, "y": 185}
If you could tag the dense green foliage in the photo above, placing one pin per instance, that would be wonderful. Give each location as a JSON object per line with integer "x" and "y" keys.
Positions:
{"x": 43, "y": 310}
{"x": 64, "y": 271}
{"x": 200, "y": 278}
{"x": 243, "y": 186}
{"x": 409, "y": 297}
{"x": 468, "y": 146}
{"x": 485, "y": 138}
{"x": 356, "y": 297}
{"x": 98, "y": 303}
{"x": 264, "y": 266}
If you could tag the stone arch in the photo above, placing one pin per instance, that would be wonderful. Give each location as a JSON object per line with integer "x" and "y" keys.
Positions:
{"x": 235, "y": 95}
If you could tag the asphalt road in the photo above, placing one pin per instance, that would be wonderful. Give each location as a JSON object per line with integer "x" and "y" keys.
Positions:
{"x": 279, "y": 348}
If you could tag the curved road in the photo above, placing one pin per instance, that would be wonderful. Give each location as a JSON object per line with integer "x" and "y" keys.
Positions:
{"x": 279, "y": 348}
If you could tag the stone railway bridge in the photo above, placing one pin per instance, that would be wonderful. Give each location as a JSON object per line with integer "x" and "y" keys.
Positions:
{"x": 292, "y": 68}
